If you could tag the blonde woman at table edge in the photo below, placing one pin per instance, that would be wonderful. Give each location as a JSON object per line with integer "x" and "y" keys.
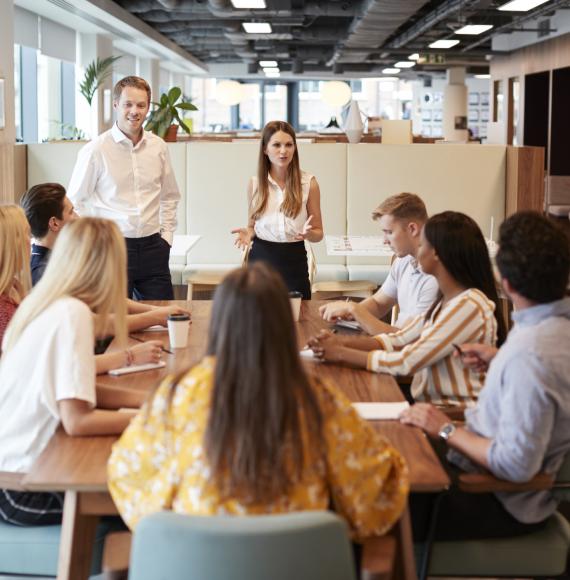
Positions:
{"x": 14, "y": 258}
{"x": 284, "y": 209}
{"x": 47, "y": 371}
{"x": 249, "y": 432}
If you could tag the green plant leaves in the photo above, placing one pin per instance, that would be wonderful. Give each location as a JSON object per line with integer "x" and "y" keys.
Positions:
{"x": 174, "y": 94}
{"x": 166, "y": 111}
{"x": 95, "y": 74}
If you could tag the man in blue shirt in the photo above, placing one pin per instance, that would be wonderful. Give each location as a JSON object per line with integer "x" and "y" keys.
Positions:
{"x": 521, "y": 424}
{"x": 48, "y": 210}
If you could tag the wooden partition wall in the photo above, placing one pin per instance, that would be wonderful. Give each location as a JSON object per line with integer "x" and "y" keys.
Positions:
{"x": 524, "y": 188}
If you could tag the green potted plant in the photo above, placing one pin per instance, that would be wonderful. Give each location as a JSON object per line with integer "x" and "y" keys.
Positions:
{"x": 165, "y": 119}
{"x": 95, "y": 74}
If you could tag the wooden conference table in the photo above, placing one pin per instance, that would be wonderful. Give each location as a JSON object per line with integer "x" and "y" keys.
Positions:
{"x": 78, "y": 466}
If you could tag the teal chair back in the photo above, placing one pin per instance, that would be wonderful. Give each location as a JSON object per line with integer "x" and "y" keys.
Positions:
{"x": 303, "y": 546}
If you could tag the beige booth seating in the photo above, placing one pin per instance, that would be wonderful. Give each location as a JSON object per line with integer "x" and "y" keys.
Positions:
{"x": 456, "y": 177}
{"x": 217, "y": 178}
{"x": 354, "y": 179}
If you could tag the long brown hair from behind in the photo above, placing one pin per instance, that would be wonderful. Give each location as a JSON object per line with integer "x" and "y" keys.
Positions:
{"x": 293, "y": 201}
{"x": 265, "y": 420}
{"x": 461, "y": 248}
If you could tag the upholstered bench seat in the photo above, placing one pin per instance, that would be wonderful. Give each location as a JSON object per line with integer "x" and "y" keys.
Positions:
{"x": 34, "y": 550}
{"x": 542, "y": 553}
{"x": 372, "y": 272}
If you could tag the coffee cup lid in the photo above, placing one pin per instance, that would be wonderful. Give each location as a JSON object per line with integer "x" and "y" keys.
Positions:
{"x": 178, "y": 317}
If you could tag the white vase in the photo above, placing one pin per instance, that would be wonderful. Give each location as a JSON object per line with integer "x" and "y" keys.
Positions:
{"x": 353, "y": 126}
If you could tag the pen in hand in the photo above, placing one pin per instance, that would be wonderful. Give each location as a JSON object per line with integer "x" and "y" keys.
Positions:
{"x": 141, "y": 340}
{"x": 458, "y": 349}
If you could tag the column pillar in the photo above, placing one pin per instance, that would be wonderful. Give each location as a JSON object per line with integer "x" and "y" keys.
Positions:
{"x": 149, "y": 70}
{"x": 8, "y": 131}
{"x": 455, "y": 105}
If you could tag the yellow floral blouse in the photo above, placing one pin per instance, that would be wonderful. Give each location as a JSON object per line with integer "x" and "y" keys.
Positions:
{"x": 159, "y": 463}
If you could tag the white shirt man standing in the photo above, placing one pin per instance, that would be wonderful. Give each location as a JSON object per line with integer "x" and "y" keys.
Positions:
{"x": 125, "y": 175}
{"x": 401, "y": 218}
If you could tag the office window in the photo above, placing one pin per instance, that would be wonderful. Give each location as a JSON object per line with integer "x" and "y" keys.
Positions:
{"x": 28, "y": 94}
{"x": 309, "y": 86}
{"x": 18, "y": 92}
{"x": 356, "y": 86}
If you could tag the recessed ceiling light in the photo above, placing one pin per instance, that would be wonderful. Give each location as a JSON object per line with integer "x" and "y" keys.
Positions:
{"x": 482, "y": 76}
{"x": 414, "y": 56}
{"x": 270, "y": 69}
{"x": 405, "y": 64}
{"x": 257, "y": 27}
{"x": 474, "y": 29}
{"x": 444, "y": 43}
{"x": 391, "y": 71}
{"x": 249, "y": 4}
{"x": 272, "y": 75}
{"x": 521, "y": 5}
{"x": 264, "y": 63}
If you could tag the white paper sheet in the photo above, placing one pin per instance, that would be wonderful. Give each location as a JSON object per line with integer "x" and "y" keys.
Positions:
{"x": 357, "y": 246}
{"x": 380, "y": 411}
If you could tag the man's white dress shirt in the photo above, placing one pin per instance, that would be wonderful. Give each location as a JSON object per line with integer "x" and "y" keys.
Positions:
{"x": 133, "y": 185}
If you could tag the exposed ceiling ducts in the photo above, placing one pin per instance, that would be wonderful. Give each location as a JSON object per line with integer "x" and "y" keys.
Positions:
{"x": 352, "y": 36}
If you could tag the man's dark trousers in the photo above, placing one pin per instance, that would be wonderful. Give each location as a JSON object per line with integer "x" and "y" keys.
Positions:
{"x": 148, "y": 271}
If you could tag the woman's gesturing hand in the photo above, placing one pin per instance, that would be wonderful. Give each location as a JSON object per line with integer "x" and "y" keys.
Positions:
{"x": 243, "y": 237}
{"x": 304, "y": 233}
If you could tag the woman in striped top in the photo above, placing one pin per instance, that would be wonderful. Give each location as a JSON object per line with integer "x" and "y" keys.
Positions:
{"x": 454, "y": 251}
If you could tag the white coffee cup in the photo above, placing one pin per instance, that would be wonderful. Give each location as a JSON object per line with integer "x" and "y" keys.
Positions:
{"x": 295, "y": 298}
{"x": 178, "y": 325}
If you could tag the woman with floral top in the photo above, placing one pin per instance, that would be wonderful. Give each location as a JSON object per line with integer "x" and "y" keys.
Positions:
{"x": 246, "y": 431}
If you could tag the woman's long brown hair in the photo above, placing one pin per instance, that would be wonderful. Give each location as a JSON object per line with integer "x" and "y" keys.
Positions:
{"x": 265, "y": 421}
{"x": 461, "y": 248}
{"x": 293, "y": 200}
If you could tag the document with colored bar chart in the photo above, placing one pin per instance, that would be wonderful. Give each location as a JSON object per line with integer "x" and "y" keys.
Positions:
{"x": 357, "y": 246}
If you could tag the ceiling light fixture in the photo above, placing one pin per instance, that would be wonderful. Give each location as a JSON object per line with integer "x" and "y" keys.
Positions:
{"x": 444, "y": 43}
{"x": 264, "y": 63}
{"x": 521, "y": 5}
{"x": 474, "y": 29}
{"x": 272, "y": 75}
{"x": 405, "y": 64}
{"x": 249, "y": 3}
{"x": 257, "y": 27}
{"x": 391, "y": 71}
{"x": 270, "y": 69}
{"x": 483, "y": 76}
{"x": 414, "y": 56}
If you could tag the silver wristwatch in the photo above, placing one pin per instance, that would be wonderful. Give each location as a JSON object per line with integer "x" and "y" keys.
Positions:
{"x": 446, "y": 431}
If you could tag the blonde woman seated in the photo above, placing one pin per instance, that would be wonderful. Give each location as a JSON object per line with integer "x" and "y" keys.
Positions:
{"x": 246, "y": 431}
{"x": 55, "y": 325}
{"x": 454, "y": 251}
{"x": 15, "y": 285}
{"x": 14, "y": 259}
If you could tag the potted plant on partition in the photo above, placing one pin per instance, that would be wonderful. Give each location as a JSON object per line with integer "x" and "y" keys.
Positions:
{"x": 165, "y": 119}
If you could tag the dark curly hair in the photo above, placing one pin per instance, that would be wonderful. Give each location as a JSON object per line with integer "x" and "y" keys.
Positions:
{"x": 534, "y": 256}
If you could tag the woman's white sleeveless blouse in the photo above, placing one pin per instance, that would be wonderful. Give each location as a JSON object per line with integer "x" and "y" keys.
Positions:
{"x": 274, "y": 225}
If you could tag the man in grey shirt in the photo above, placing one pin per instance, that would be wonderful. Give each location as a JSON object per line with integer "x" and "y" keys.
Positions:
{"x": 401, "y": 218}
{"x": 521, "y": 424}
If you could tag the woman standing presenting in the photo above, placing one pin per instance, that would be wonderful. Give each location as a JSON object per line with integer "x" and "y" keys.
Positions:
{"x": 284, "y": 206}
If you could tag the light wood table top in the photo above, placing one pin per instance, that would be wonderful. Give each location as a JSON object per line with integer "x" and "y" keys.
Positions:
{"x": 80, "y": 463}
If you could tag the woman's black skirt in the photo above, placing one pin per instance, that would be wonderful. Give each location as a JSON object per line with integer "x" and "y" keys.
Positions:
{"x": 289, "y": 259}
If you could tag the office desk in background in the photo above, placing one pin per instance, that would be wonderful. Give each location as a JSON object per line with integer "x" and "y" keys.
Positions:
{"x": 78, "y": 466}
